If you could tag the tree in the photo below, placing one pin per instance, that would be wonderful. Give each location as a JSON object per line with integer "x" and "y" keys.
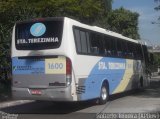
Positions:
{"x": 124, "y": 22}
{"x": 157, "y": 8}
{"x": 86, "y": 11}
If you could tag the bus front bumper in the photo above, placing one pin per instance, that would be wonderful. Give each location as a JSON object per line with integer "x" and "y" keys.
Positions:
{"x": 54, "y": 94}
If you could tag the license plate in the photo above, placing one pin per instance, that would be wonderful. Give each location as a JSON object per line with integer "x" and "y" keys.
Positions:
{"x": 36, "y": 92}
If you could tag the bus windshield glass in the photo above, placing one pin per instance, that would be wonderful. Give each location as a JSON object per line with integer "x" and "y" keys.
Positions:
{"x": 38, "y": 35}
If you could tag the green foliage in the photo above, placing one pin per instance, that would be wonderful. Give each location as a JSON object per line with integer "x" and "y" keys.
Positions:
{"x": 157, "y": 8}
{"x": 124, "y": 22}
{"x": 86, "y": 11}
{"x": 156, "y": 59}
{"x": 5, "y": 62}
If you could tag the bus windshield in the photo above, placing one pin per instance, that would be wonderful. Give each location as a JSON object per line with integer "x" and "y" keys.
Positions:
{"x": 38, "y": 35}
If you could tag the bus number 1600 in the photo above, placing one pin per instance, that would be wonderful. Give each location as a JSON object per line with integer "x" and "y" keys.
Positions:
{"x": 55, "y": 65}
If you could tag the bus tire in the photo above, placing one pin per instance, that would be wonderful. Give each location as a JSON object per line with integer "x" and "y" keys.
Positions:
{"x": 104, "y": 94}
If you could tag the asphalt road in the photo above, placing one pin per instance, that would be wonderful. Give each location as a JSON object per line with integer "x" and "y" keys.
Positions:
{"x": 139, "y": 101}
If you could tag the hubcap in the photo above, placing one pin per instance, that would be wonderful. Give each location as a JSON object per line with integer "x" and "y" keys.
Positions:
{"x": 104, "y": 93}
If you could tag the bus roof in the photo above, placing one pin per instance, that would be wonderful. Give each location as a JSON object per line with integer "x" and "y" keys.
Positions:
{"x": 77, "y": 23}
{"x": 100, "y": 30}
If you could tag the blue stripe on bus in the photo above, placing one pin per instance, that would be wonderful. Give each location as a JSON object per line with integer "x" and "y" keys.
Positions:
{"x": 105, "y": 69}
{"x": 28, "y": 66}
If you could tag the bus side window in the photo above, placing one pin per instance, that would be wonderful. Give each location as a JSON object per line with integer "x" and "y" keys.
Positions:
{"x": 77, "y": 40}
{"x": 83, "y": 42}
{"x": 96, "y": 44}
{"x": 146, "y": 55}
{"x": 130, "y": 50}
{"x": 107, "y": 46}
{"x": 114, "y": 47}
{"x": 136, "y": 52}
{"x": 119, "y": 48}
{"x": 88, "y": 42}
{"x": 95, "y": 50}
{"x": 124, "y": 49}
{"x": 139, "y": 52}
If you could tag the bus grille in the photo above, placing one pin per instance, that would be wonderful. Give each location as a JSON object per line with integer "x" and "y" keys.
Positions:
{"x": 80, "y": 89}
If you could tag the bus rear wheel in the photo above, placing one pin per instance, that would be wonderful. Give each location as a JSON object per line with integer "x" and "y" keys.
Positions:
{"x": 104, "y": 94}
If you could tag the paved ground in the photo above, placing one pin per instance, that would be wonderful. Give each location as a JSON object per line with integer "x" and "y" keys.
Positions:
{"x": 140, "y": 101}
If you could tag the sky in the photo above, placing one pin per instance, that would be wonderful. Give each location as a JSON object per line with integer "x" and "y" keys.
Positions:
{"x": 148, "y": 32}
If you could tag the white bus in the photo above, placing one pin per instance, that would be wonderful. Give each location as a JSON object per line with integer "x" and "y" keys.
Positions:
{"x": 61, "y": 59}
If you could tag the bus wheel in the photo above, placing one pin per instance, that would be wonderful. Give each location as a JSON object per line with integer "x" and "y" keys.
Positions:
{"x": 104, "y": 95}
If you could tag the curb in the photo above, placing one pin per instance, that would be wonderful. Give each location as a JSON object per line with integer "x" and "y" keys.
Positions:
{"x": 14, "y": 103}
